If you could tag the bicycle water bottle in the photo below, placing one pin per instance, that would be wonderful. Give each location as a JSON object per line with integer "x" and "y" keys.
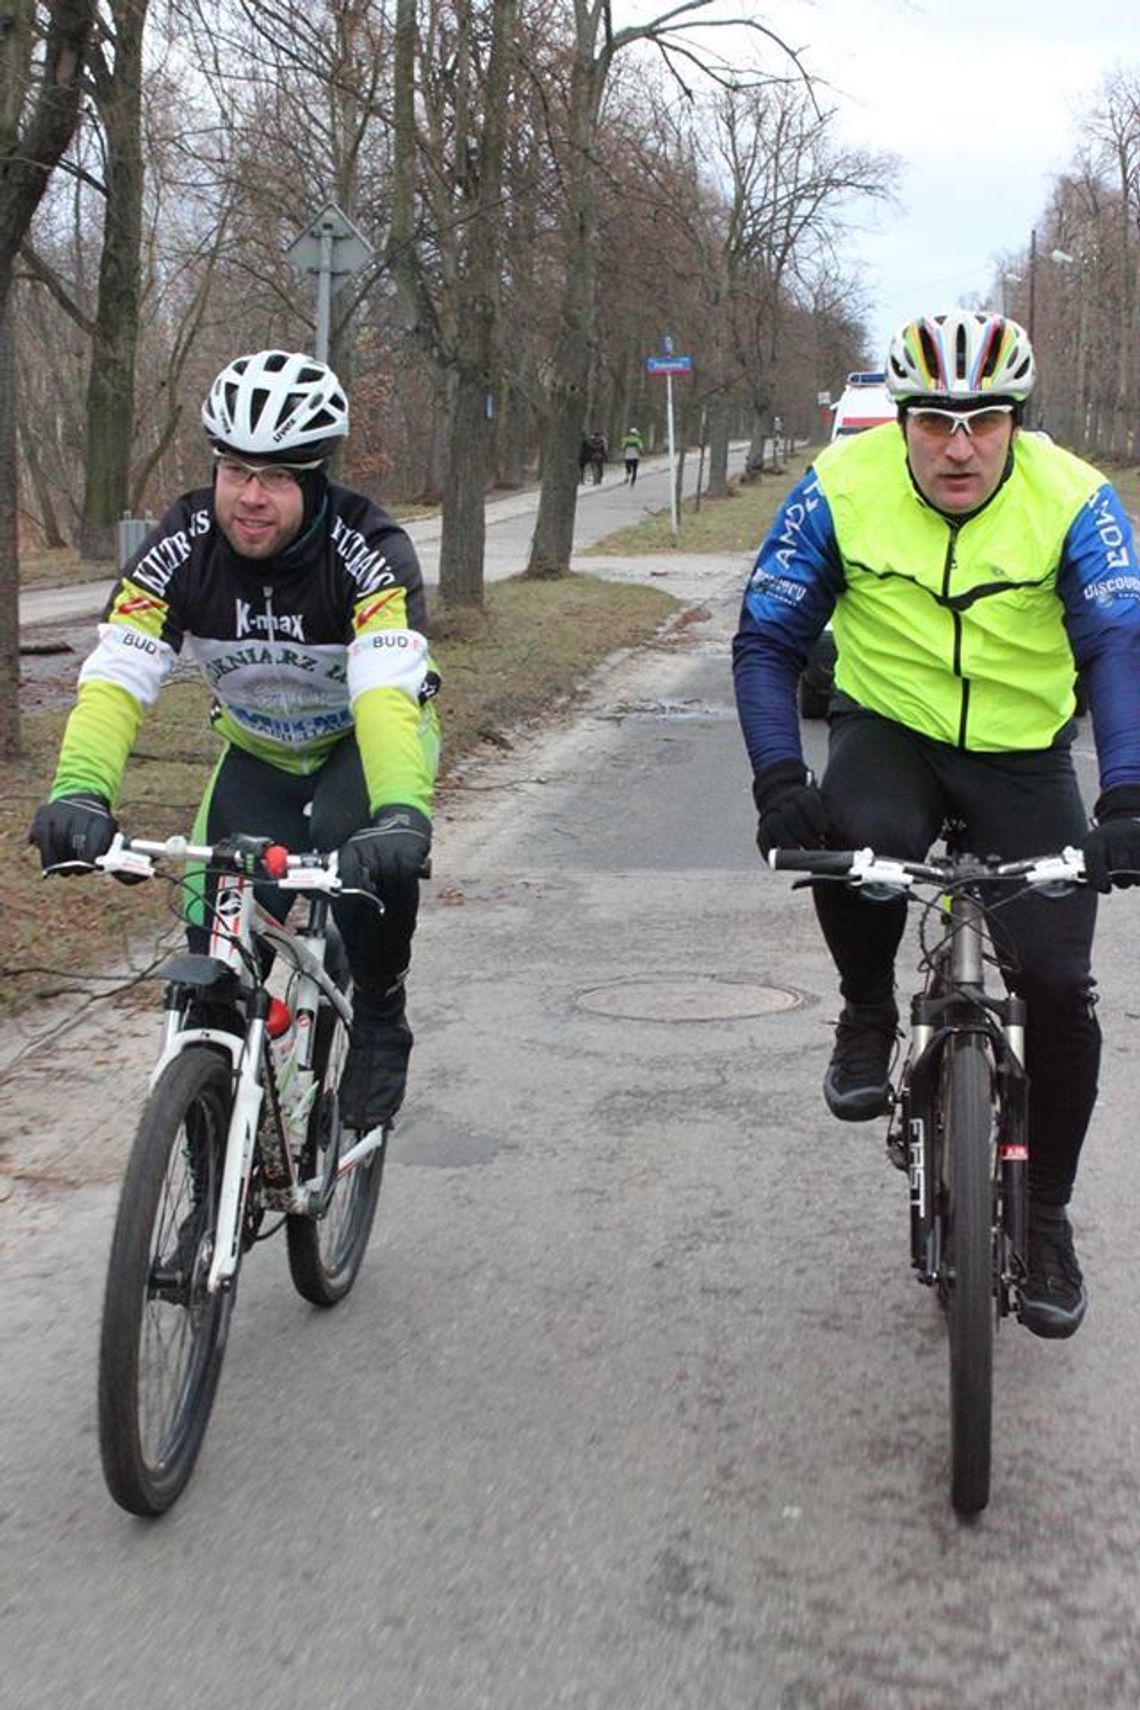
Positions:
{"x": 282, "y": 1036}
{"x": 289, "y": 1031}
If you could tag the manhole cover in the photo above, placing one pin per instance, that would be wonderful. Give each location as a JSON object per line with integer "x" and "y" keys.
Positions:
{"x": 707, "y": 999}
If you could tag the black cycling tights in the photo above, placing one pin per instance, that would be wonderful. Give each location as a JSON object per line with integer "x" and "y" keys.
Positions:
{"x": 319, "y": 811}
{"x": 887, "y": 787}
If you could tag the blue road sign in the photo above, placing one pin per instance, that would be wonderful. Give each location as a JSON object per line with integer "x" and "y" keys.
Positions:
{"x": 668, "y": 365}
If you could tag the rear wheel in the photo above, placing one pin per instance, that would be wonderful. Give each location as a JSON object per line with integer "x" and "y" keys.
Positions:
{"x": 163, "y": 1335}
{"x": 967, "y": 1286}
{"x": 325, "y": 1253}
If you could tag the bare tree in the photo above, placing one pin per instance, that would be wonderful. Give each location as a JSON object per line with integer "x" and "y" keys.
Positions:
{"x": 790, "y": 184}
{"x": 593, "y": 52}
{"x": 116, "y": 70}
{"x": 446, "y": 241}
{"x": 40, "y": 93}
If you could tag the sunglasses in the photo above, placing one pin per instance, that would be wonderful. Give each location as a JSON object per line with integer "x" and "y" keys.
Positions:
{"x": 975, "y": 424}
{"x": 274, "y": 477}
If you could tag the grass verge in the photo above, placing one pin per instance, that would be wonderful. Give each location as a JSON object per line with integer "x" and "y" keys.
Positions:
{"x": 534, "y": 645}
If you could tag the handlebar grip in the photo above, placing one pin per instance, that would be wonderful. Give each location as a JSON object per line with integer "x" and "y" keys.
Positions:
{"x": 834, "y": 863}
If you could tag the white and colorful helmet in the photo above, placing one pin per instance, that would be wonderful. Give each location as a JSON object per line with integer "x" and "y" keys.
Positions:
{"x": 276, "y": 404}
{"x": 963, "y": 355}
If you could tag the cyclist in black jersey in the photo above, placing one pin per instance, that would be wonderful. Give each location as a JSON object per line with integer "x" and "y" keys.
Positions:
{"x": 302, "y": 604}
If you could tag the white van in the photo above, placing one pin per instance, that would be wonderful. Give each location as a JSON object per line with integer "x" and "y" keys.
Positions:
{"x": 865, "y": 403}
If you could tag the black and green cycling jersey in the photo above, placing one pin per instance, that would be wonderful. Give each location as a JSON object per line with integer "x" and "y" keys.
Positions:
{"x": 300, "y": 650}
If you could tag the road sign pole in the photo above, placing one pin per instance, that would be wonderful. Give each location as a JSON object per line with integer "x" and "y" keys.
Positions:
{"x": 672, "y": 456}
{"x": 333, "y": 250}
{"x": 669, "y": 364}
{"x": 324, "y": 294}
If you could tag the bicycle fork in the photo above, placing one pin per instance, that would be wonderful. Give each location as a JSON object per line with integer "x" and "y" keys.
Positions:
{"x": 914, "y": 1145}
{"x": 238, "y": 1166}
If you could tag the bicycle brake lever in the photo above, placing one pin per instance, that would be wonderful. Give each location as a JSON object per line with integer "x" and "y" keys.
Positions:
{"x": 119, "y": 860}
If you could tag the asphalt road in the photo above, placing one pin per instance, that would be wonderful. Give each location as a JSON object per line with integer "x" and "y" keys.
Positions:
{"x": 636, "y": 1405}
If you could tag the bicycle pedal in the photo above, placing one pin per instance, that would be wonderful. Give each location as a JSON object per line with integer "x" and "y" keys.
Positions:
{"x": 897, "y": 1152}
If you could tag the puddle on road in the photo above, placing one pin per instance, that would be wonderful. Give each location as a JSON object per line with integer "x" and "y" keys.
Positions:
{"x": 688, "y": 709}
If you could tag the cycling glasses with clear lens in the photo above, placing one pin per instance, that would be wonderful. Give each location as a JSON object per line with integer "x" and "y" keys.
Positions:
{"x": 274, "y": 477}
{"x": 975, "y": 424}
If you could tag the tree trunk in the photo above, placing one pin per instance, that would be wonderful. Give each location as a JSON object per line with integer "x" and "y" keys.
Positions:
{"x": 513, "y": 439}
{"x": 111, "y": 382}
{"x": 465, "y": 491}
{"x": 716, "y": 485}
{"x": 47, "y": 520}
{"x": 553, "y": 539}
{"x": 754, "y": 461}
{"x": 32, "y": 138}
{"x": 9, "y": 543}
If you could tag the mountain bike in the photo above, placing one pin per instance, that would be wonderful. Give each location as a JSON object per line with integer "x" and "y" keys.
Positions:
{"x": 241, "y": 1125}
{"x": 958, "y": 1124}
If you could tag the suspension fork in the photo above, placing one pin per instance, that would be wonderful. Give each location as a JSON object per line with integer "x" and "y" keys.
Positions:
{"x": 1013, "y": 1135}
{"x": 1007, "y": 1039}
{"x": 918, "y": 1099}
{"x": 241, "y": 1139}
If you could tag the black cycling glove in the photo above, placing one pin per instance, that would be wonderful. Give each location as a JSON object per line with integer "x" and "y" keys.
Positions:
{"x": 388, "y": 857}
{"x": 72, "y": 832}
{"x": 1112, "y": 847}
{"x": 793, "y": 814}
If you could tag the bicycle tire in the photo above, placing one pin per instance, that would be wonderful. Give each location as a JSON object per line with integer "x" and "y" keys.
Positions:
{"x": 967, "y": 1287}
{"x": 160, "y": 1329}
{"x": 325, "y": 1253}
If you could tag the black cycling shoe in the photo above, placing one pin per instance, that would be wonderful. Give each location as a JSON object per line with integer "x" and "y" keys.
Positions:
{"x": 857, "y": 1085}
{"x": 376, "y": 1066}
{"x": 1053, "y": 1295}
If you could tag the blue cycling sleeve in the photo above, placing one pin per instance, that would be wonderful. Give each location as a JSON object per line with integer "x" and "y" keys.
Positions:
{"x": 790, "y": 596}
{"x": 1099, "y": 583}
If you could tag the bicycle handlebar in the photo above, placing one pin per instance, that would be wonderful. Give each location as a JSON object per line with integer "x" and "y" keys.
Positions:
{"x": 863, "y": 867}
{"x": 255, "y": 857}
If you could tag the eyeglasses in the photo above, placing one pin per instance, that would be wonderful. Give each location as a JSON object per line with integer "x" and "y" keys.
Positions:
{"x": 975, "y": 424}
{"x": 274, "y": 477}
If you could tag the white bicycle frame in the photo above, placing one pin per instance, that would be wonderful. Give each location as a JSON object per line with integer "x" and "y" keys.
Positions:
{"x": 236, "y": 915}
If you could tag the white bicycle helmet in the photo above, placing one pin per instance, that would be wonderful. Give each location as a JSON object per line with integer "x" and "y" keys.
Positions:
{"x": 276, "y": 404}
{"x": 966, "y": 354}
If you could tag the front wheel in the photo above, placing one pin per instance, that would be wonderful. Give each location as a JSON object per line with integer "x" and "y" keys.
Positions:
{"x": 163, "y": 1335}
{"x": 325, "y": 1253}
{"x": 967, "y": 1287}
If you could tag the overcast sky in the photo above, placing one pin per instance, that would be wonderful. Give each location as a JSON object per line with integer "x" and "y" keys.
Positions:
{"x": 980, "y": 100}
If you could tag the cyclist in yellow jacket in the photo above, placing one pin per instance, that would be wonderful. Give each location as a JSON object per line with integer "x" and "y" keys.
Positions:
{"x": 973, "y": 568}
{"x": 302, "y": 605}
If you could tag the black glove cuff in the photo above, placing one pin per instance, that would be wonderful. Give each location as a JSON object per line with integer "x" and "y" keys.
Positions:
{"x": 406, "y": 818}
{"x": 775, "y": 781}
{"x": 83, "y": 798}
{"x": 1123, "y": 802}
